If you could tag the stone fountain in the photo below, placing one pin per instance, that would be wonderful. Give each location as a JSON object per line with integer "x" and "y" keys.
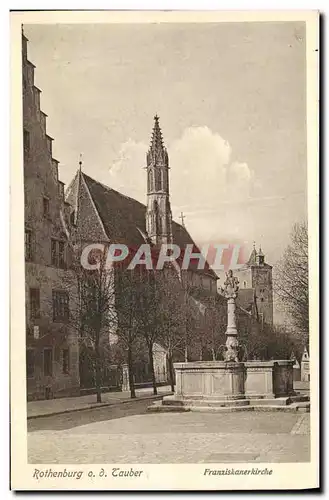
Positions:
{"x": 232, "y": 384}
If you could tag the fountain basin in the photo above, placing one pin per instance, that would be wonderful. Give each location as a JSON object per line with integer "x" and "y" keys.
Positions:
{"x": 229, "y": 380}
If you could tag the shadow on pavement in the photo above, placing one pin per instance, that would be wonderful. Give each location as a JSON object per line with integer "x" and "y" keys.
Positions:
{"x": 83, "y": 417}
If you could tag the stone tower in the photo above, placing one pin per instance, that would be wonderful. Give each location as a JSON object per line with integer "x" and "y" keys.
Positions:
{"x": 261, "y": 281}
{"x": 158, "y": 213}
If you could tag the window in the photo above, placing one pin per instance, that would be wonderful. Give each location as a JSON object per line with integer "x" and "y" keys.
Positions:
{"x": 30, "y": 359}
{"x": 35, "y": 303}
{"x": 72, "y": 218}
{"x": 60, "y": 306}
{"x": 61, "y": 254}
{"x": 58, "y": 253}
{"x": 48, "y": 361}
{"x": 66, "y": 361}
{"x": 28, "y": 245}
{"x": 46, "y": 207}
{"x": 26, "y": 139}
{"x": 53, "y": 252}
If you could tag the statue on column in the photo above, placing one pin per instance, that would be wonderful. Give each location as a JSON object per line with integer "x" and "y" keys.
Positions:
{"x": 230, "y": 292}
{"x": 231, "y": 286}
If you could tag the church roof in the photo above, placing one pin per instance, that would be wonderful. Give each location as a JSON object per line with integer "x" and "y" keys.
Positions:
{"x": 123, "y": 218}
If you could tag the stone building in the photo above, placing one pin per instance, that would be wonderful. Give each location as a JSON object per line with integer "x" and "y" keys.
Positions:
{"x": 256, "y": 288}
{"x": 52, "y": 351}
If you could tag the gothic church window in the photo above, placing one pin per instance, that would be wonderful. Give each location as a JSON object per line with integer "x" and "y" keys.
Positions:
{"x": 157, "y": 180}
{"x": 150, "y": 180}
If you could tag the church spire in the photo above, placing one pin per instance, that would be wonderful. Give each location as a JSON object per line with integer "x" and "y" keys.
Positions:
{"x": 157, "y": 152}
{"x": 158, "y": 214}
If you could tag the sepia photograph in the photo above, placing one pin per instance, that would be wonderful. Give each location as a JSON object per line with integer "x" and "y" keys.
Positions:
{"x": 167, "y": 301}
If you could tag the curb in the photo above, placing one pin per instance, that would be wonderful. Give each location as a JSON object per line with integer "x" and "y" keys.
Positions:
{"x": 99, "y": 405}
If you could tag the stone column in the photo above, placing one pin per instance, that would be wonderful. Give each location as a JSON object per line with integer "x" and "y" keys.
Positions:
{"x": 125, "y": 378}
{"x": 230, "y": 291}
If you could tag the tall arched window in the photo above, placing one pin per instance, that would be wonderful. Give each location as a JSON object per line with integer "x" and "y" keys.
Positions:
{"x": 157, "y": 179}
{"x": 150, "y": 180}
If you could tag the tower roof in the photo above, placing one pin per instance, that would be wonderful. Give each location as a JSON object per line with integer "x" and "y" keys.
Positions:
{"x": 260, "y": 253}
{"x": 157, "y": 151}
{"x": 252, "y": 259}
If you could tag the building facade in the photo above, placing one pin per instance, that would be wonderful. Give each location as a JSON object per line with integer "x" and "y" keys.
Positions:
{"x": 52, "y": 350}
{"x": 255, "y": 281}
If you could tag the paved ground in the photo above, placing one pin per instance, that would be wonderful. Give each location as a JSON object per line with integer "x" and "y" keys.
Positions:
{"x": 127, "y": 434}
{"x": 51, "y": 406}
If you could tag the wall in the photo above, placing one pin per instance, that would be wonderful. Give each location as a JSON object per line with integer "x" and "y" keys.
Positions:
{"x": 41, "y": 182}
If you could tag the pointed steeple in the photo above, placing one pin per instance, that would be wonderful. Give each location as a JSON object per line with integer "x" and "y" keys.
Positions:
{"x": 157, "y": 153}
{"x": 260, "y": 257}
{"x": 253, "y": 256}
{"x": 158, "y": 214}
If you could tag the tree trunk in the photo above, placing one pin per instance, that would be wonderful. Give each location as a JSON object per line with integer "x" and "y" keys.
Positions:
{"x": 154, "y": 384}
{"x": 213, "y": 354}
{"x": 171, "y": 373}
{"x": 98, "y": 378}
{"x": 131, "y": 373}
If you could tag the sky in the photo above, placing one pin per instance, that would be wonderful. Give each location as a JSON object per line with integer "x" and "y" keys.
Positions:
{"x": 232, "y": 104}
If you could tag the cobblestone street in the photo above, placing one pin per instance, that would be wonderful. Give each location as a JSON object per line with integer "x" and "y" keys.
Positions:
{"x": 130, "y": 435}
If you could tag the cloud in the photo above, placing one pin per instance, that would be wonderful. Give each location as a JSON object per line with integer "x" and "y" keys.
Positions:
{"x": 126, "y": 173}
{"x": 202, "y": 176}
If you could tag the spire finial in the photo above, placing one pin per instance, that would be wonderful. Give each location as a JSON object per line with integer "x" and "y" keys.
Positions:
{"x": 157, "y": 151}
{"x": 80, "y": 162}
{"x": 254, "y": 245}
{"x": 182, "y": 217}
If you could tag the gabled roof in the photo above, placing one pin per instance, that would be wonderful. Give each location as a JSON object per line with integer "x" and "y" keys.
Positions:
{"x": 123, "y": 218}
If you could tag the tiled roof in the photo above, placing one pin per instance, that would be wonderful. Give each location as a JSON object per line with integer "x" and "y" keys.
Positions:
{"x": 123, "y": 219}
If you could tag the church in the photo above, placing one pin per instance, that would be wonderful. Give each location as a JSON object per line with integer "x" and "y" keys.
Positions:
{"x": 100, "y": 214}
{"x": 58, "y": 225}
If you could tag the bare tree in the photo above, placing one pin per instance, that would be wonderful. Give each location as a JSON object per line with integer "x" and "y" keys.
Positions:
{"x": 127, "y": 307}
{"x": 214, "y": 327}
{"x": 172, "y": 315}
{"x": 149, "y": 320}
{"x": 291, "y": 279}
{"x": 96, "y": 316}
